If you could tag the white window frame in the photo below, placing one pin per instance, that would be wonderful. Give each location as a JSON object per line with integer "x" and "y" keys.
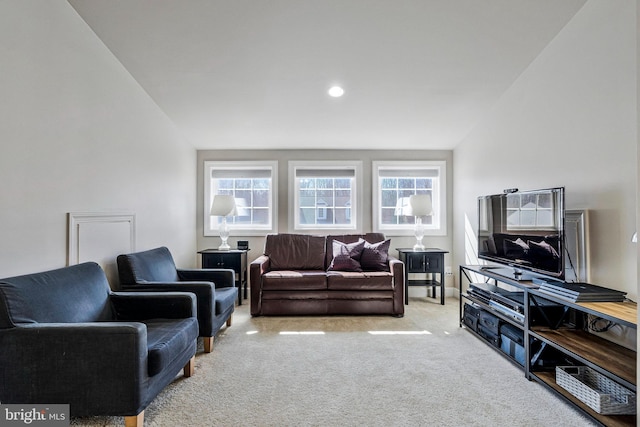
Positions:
{"x": 439, "y": 200}
{"x": 354, "y": 212}
{"x": 239, "y": 166}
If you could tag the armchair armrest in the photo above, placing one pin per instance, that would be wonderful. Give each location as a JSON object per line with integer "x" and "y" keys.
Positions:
{"x": 222, "y": 277}
{"x": 45, "y": 362}
{"x": 153, "y": 305}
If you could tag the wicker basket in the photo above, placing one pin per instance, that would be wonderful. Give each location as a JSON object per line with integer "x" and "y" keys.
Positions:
{"x": 597, "y": 391}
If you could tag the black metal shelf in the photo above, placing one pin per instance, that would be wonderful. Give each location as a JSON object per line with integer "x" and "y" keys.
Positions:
{"x": 563, "y": 337}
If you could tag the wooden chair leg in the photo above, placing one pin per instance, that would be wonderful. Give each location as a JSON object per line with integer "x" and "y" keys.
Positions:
{"x": 208, "y": 344}
{"x": 230, "y": 320}
{"x": 134, "y": 420}
{"x": 190, "y": 367}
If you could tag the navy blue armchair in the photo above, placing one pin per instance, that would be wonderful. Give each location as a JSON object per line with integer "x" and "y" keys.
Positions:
{"x": 66, "y": 338}
{"x": 155, "y": 270}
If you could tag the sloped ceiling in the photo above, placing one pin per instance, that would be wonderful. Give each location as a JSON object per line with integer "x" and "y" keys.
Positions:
{"x": 251, "y": 74}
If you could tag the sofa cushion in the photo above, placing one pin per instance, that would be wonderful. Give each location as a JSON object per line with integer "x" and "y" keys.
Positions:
{"x": 79, "y": 293}
{"x": 295, "y": 251}
{"x": 290, "y": 280}
{"x": 167, "y": 339}
{"x": 346, "y": 256}
{"x": 375, "y": 256}
{"x": 364, "y": 281}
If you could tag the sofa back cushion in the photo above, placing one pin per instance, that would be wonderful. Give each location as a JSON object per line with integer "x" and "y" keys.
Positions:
{"x": 75, "y": 294}
{"x": 348, "y": 238}
{"x": 154, "y": 265}
{"x": 295, "y": 251}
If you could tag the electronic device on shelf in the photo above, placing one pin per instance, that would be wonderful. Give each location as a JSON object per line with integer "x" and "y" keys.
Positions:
{"x": 524, "y": 232}
{"x": 579, "y": 291}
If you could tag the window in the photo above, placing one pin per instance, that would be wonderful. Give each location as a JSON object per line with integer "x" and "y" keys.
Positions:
{"x": 254, "y": 187}
{"x": 325, "y": 195}
{"x": 530, "y": 211}
{"x": 395, "y": 182}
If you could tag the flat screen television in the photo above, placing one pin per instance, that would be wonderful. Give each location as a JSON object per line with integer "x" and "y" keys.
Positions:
{"x": 523, "y": 230}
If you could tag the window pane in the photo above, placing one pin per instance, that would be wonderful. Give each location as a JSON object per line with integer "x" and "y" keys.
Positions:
{"x": 261, "y": 183}
{"x": 513, "y": 218}
{"x": 324, "y": 183}
{"x": 307, "y": 198}
{"x": 242, "y": 183}
{"x": 224, "y": 183}
{"x": 407, "y": 183}
{"x": 389, "y": 198}
{"x": 326, "y": 196}
{"x": 545, "y": 201}
{"x": 307, "y": 183}
{"x": 528, "y": 218}
{"x": 260, "y": 216}
{"x": 307, "y": 216}
{"x": 529, "y": 201}
{"x": 343, "y": 183}
{"x": 513, "y": 201}
{"x": 389, "y": 183}
{"x": 424, "y": 183}
{"x": 260, "y": 198}
{"x": 545, "y": 218}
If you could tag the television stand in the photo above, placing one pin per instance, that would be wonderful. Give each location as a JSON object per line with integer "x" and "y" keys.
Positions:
{"x": 555, "y": 335}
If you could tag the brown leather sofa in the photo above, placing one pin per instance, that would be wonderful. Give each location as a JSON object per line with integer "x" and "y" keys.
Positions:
{"x": 295, "y": 276}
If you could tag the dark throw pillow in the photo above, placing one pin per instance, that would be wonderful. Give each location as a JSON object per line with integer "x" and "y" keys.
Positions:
{"x": 515, "y": 248}
{"x": 375, "y": 256}
{"x": 346, "y": 256}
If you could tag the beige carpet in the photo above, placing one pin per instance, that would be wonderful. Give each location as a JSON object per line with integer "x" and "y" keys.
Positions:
{"x": 420, "y": 370}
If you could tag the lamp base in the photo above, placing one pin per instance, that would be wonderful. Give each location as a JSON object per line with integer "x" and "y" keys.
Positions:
{"x": 418, "y": 247}
{"x": 224, "y": 246}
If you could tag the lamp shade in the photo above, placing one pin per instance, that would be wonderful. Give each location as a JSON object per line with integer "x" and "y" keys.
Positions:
{"x": 420, "y": 205}
{"x": 223, "y": 205}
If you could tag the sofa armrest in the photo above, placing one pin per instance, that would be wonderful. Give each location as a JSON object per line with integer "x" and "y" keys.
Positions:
{"x": 221, "y": 277}
{"x": 257, "y": 268}
{"x": 46, "y": 362}
{"x": 396, "y": 267}
{"x": 153, "y": 305}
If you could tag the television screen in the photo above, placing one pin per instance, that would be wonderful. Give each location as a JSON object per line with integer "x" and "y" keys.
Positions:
{"x": 524, "y": 230}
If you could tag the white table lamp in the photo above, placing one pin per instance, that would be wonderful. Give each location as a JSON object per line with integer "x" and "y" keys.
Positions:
{"x": 420, "y": 206}
{"x": 223, "y": 205}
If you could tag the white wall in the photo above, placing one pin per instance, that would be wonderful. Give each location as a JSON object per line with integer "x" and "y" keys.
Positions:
{"x": 77, "y": 133}
{"x": 569, "y": 120}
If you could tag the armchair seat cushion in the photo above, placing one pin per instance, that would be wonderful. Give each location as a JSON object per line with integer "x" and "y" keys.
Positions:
{"x": 225, "y": 300}
{"x": 166, "y": 340}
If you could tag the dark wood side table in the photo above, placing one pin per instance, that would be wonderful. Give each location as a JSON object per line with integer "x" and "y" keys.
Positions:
{"x": 235, "y": 259}
{"x": 428, "y": 261}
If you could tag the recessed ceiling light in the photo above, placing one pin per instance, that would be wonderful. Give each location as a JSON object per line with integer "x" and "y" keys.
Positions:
{"x": 336, "y": 91}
